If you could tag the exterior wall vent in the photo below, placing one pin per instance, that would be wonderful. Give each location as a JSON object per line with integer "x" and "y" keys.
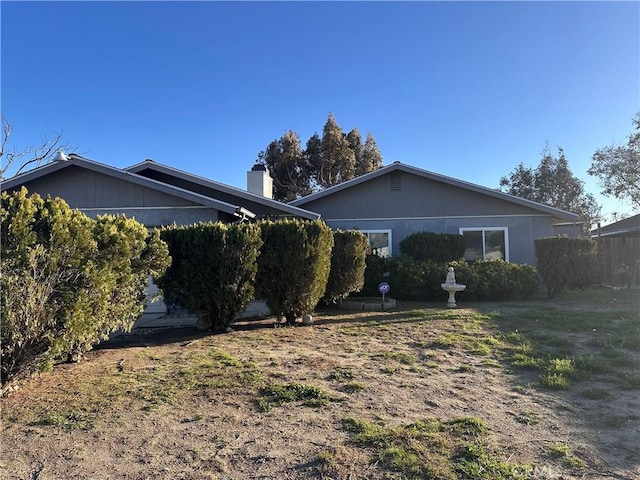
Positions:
{"x": 396, "y": 181}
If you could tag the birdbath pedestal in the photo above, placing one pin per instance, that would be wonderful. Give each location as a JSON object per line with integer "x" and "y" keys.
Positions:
{"x": 452, "y": 287}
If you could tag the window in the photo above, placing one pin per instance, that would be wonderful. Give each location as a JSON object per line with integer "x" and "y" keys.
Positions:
{"x": 486, "y": 243}
{"x": 380, "y": 242}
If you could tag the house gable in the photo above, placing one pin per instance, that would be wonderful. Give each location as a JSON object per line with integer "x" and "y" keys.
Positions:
{"x": 261, "y": 206}
{"x": 400, "y": 191}
{"x": 97, "y": 188}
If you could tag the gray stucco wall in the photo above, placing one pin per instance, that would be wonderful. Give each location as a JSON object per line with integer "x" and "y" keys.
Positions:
{"x": 417, "y": 197}
{"x": 83, "y": 188}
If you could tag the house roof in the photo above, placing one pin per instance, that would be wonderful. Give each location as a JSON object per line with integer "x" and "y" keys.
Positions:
{"x": 398, "y": 166}
{"x": 243, "y": 194}
{"x": 627, "y": 227}
{"x": 92, "y": 165}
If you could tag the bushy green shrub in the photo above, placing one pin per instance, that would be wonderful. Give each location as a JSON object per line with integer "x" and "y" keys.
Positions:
{"x": 408, "y": 278}
{"x": 293, "y": 266}
{"x": 497, "y": 279}
{"x": 67, "y": 281}
{"x": 213, "y": 270}
{"x": 484, "y": 280}
{"x": 347, "y": 265}
{"x": 566, "y": 262}
{"x": 116, "y": 276}
{"x": 437, "y": 247}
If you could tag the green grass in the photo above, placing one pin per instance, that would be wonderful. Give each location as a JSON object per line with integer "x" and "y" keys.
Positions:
{"x": 341, "y": 373}
{"x": 278, "y": 394}
{"x": 70, "y": 420}
{"x": 433, "y": 448}
{"x": 354, "y": 386}
{"x": 563, "y": 452}
{"x": 404, "y": 358}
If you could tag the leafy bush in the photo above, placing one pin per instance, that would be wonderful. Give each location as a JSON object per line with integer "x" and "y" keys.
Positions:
{"x": 566, "y": 262}
{"x": 213, "y": 271}
{"x": 112, "y": 296}
{"x": 67, "y": 281}
{"x": 437, "y": 247}
{"x": 293, "y": 266}
{"x": 421, "y": 280}
{"x": 347, "y": 265}
{"x": 409, "y": 278}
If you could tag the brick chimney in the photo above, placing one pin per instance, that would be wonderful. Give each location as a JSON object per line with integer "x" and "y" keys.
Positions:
{"x": 259, "y": 181}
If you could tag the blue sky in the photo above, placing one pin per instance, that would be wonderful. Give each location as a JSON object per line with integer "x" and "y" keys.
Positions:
{"x": 464, "y": 89}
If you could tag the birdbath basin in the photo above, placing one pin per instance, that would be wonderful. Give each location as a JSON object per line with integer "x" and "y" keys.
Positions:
{"x": 452, "y": 287}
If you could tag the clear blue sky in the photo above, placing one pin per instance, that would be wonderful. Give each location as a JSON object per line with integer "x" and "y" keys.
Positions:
{"x": 468, "y": 90}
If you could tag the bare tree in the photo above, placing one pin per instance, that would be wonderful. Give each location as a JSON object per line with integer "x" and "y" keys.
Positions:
{"x": 29, "y": 157}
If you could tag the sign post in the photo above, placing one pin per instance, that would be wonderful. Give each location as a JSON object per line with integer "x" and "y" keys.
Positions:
{"x": 383, "y": 288}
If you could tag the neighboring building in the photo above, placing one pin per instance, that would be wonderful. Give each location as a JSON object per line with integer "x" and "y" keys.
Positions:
{"x": 619, "y": 245}
{"x": 398, "y": 200}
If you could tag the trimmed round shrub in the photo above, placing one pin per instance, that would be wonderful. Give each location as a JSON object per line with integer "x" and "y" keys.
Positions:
{"x": 213, "y": 270}
{"x": 293, "y": 267}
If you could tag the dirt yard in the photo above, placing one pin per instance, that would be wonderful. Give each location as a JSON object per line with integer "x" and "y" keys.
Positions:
{"x": 179, "y": 404}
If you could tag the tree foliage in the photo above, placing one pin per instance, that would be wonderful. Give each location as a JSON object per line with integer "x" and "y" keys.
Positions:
{"x": 618, "y": 168}
{"x": 327, "y": 160}
{"x": 337, "y": 161}
{"x": 552, "y": 183}
{"x": 288, "y": 167}
{"x": 293, "y": 266}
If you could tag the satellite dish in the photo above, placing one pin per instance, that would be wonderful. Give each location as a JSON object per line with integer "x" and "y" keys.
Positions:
{"x": 60, "y": 156}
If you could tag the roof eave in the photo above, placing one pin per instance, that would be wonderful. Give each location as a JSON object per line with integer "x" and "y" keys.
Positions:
{"x": 159, "y": 167}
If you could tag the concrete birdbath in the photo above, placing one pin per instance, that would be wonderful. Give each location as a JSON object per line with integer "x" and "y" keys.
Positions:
{"x": 452, "y": 287}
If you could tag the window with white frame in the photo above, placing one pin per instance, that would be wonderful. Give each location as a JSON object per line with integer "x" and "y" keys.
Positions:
{"x": 380, "y": 242}
{"x": 490, "y": 243}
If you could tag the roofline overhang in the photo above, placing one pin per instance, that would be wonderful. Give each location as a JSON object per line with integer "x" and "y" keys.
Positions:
{"x": 77, "y": 160}
{"x": 286, "y": 207}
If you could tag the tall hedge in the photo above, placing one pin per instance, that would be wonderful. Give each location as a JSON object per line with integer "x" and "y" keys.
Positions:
{"x": 566, "y": 262}
{"x": 213, "y": 270}
{"x": 347, "y": 265}
{"x": 293, "y": 266}
{"x": 437, "y": 247}
{"x": 67, "y": 281}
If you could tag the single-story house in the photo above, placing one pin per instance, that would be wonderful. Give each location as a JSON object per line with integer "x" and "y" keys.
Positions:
{"x": 398, "y": 200}
{"x": 387, "y": 204}
{"x": 619, "y": 244}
